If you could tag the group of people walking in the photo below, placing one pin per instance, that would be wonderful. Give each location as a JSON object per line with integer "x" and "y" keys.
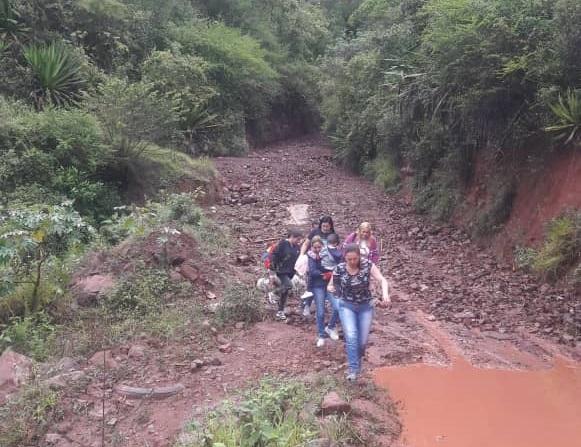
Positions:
{"x": 337, "y": 273}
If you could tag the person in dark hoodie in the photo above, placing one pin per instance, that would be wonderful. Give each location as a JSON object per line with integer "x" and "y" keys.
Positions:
{"x": 282, "y": 265}
{"x": 318, "y": 280}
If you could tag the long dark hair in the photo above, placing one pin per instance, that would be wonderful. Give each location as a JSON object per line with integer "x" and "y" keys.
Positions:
{"x": 329, "y": 220}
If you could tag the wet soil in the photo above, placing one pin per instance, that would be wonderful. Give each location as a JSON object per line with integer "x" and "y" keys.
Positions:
{"x": 461, "y": 404}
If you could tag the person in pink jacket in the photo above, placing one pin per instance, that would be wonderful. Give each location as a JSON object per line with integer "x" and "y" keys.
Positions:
{"x": 366, "y": 241}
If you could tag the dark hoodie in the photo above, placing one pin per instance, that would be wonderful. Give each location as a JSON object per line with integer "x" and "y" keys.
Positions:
{"x": 284, "y": 258}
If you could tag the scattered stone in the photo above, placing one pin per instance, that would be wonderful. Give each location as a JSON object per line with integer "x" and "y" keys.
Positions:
{"x": 196, "y": 364}
{"x": 14, "y": 372}
{"x": 112, "y": 422}
{"x": 54, "y": 439}
{"x": 240, "y": 325}
{"x": 190, "y": 273}
{"x": 211, "y": 295}
{"x": 222, "y": 340}
{"x": 244, "y": 260}
{"x": 227, "y": 348}
{"x": 214, "y": 361}
{"x": 431, "y": 318}
{"x": 91, "y": 289}
{"x": 103, "y": 356}
{"x": 334, "y": 404}
{"x": 136, "y": 352}
{"x": 64, "y": 380}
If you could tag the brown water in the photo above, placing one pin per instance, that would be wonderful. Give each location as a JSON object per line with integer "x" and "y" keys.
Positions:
{"x": 466, "y": 406}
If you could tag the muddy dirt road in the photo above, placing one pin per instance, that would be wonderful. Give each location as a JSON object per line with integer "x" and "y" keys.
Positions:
{"x": 463, "y": 333}
{"x": 456, "y": 308}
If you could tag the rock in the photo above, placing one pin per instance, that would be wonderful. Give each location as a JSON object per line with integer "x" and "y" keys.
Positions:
{"x": 107, "y": 357}
{"x": 431, "y": 318}
{"x": 89, "y": 290}
{"x": 55, "y": 439}
{"x": 196, "y": 364}
{"x": 334, "y": 404}
{"x": 67, "y": 364}
{"x": 240, "y": 325}
{"x": 222, "y": 340}
{"x": 14, "y": 372}
{"x": 214, "y": 361}
{"x": 136, "y": 352}
{"x": 227, "y": 348}
{"x": 244, "y": 260}
{"x": 190, "y": 273}
{"x": 211, "y": 295}
{"x": 466, "y": 315}
{"x": 62, "y": 381}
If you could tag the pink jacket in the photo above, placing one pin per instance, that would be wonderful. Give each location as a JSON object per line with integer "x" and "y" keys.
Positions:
{"x": 371, "y": 244}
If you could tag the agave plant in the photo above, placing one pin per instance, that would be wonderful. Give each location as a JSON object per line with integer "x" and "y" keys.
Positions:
{"x": 568, "y": 111}
{"x": 57, "y": 73}
{"x": 11, "y": 28}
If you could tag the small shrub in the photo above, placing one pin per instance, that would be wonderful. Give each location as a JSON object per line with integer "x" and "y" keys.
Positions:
{"x": 268, "y": 414}
{"x": 241, "y": 303}
{"x": 384, "y": 173}
{"x": 25, "y": 419}
{"x": 497, "y": 212}
{"x": 524, "y": 257}
{"x": 141, "y": 293}
{"x": 183, "y": 208}
{"x": 562, "y": 247}
{"x": 33, "y": 335}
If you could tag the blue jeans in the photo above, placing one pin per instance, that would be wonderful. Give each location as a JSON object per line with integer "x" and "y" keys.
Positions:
{"x": 356, "y": 320}
{"x": 321, "y": 295}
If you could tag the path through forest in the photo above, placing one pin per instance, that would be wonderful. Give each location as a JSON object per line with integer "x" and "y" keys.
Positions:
{"x": 465, "y": 339}
{"x": 492, "y": 374}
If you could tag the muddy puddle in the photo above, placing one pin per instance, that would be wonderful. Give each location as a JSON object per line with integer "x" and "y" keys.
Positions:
{"x": 462, "y": 405}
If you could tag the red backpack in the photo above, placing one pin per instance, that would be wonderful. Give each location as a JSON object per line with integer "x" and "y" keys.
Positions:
{"x": 267, "y": 255}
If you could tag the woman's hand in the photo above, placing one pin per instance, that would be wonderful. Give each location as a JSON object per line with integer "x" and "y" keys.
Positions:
{"x": 331, "y": 288}
{"x": 385, "y": 302}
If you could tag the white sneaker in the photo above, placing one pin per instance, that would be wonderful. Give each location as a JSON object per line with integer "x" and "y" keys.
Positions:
{"x": 280, "y": 316}
{"x": 307, "y": 311}
{"x": 333, "y": 335}
{"x": 320, "y": 342}
{"x": 306, "y": 295}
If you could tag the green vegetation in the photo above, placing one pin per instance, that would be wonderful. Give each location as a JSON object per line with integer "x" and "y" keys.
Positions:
{"x": 438, "y": 83}
{"x": 277, "y": 412}
{"x": 26, "y": 418}
{"x": 561, "y": 251}
{"x": 240, "y": 304}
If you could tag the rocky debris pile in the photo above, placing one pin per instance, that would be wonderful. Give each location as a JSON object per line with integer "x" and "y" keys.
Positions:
{"x": 15, "y": 371}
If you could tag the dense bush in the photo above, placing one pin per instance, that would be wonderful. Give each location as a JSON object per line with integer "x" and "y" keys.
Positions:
{"x": 435, "y": 82}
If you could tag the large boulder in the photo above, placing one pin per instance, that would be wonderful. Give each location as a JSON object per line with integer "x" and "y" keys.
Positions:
{"x": 89, "y": 290}
{"x": 14, "y": 372}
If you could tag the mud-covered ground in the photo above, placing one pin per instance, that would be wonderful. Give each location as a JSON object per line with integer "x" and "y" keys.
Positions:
{"x": 441, "y": 283}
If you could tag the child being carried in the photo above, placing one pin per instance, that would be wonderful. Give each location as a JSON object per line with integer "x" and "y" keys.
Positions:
{"x": 331, "y": 256}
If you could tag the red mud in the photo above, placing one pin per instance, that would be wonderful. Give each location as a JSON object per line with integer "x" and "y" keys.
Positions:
{"x": 463, "y": 405}
{"x": 543, "y": 196}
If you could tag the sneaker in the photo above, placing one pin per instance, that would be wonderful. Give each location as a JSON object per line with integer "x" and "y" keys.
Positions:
{"x": 351, "y": 377}
{"x": 332, "y": 333}
{"x": 320, "y": 342}
{"x": 306, "y": 311}
{"x": 272, "y": 298}
{"x": 280, "y": 316}
{"x": 306, "y": 295}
